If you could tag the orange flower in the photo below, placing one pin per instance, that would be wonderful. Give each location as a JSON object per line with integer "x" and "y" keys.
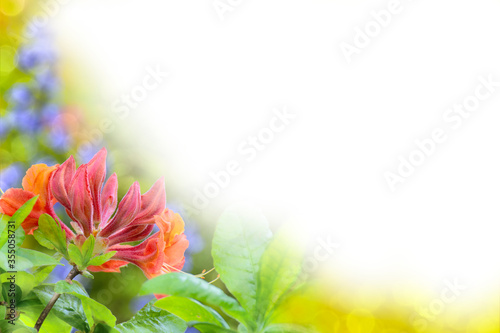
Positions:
{"x": 36, "y": 182}
{"x": 160, "y": 253}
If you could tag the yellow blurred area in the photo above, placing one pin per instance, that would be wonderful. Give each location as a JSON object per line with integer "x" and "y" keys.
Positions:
{"x": 11, "y": 7}
{"x": 330, "y": 305}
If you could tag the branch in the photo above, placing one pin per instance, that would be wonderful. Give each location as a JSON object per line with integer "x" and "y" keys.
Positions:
{"x": 74, "y": 272}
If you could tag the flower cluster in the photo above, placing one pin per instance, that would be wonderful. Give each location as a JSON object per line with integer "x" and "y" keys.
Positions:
{"x": 91, "y": 202}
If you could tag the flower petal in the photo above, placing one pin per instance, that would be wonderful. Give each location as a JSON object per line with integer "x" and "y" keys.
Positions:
{"x": 13, "y": 199}
{"x": 109, "y": 198}
{"x": 131, "y": 234}
{"x": 81, "y": 200}
{"x": 111, "y": 266}
{"x": 127, "y": 210}
{"x": 96, "y": 169}
{"x": 152, "y": 203}
{"x": 36, "y": 181}
{"x": 60, "y": 182}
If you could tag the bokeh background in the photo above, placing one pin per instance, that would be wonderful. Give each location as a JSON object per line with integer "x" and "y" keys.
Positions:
{"x": 183, "y": 90}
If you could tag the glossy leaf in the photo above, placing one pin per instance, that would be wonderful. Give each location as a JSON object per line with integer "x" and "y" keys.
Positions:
{"x": 37, "y": 258}
{"x": 42, "y": 240}
{"x": 75, "y": 256}
{"x": 280, "y": 267}
{"x": 211, "y": 328}
{"x": 190, "y": 310}
{"x": 151, "y": 319}
{"x": 67, "y": 308}
{"x": 286, "y": 328}
{"x": 88, "y": 249}
{"x": 94, "y": 311}
{"x": 18, "y": 327}
{"x": 186, "y": 285}
{"x": 30, "y": 311}
{"x": 101, "y": 259}
{"x": 53, "y": 231}
{"x": 239, "y": 241}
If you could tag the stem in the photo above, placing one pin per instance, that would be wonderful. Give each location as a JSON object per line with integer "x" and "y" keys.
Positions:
{"x": 74, "y": 272}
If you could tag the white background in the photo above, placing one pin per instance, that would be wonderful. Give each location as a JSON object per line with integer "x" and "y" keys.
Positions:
{"x": 326, "y": 170}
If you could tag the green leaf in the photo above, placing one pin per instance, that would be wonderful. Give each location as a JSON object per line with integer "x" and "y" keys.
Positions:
{"x": 20, "y": 263}
{"x": 18, "y": 327}
{"x": 19, "y": 216}
{"x": 37, "y": 258}
{"x": 24, "y": 280}
{"x": 150, "y": 319}
{"x": 211, "y": 328}
{"x": 239, "y": 241}
{"x": 101, "y": 259}
{"x": 42, "y": 273}
{"x": 42, "y": 240}
{"x": 190, "y": 310}
{"x": 30, "y": 311}
{"x": 75, "y": 256}
{"x": 94, "y": 311}
{"x": 280, "y": 267}
{"x": 67, "y": 308}
{"x": 286, "y": 328}
{"x": 88, "y": 249}
{"x": 63, "y": 286}
{"x": 53, "y": 231}
{"x": 187, "y": 285}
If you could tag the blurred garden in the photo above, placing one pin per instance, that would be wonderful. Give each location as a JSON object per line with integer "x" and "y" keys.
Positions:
{"x": 241, "y": 274}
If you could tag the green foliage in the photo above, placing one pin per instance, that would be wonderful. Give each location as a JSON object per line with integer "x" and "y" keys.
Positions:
{"x": 19, "y": 216}
{"x": 151, "y": 319}
{"x": 258, "y": 272}
{"x": 190, "y": 310}
{"x": 54, "y": 233}
{"x": 68, "y": 307}
{"x": 238, "y": 244}
{"x": 101, "y": 259}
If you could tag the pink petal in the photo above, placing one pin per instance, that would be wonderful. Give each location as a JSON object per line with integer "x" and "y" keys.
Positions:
{"x": 96, "y": 169}
{"x": 109, "y": 199}
{"x": 60, "y": 182}
{"x": 81, "y": 200}
{"x": 152, "y": 203}
{"x": 127, "y": 210}
{"x": 131, "y": 234}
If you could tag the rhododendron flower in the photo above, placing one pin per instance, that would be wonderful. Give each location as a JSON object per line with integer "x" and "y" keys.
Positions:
{"x": 92, "y": 205}
{"x": 161, "y": 253}
{"x": 36, "y": 182}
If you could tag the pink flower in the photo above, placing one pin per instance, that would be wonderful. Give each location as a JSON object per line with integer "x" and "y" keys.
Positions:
{"x": 92, "y": 205}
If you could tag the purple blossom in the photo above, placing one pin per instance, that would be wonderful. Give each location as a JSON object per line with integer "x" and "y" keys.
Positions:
{"x": 11, "y": 177}
{"x": 20, "y": 95}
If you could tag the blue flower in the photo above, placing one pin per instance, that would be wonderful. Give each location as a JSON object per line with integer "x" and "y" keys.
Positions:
{"x": 58, "y": 139}
{"x": 11, "y": 177}
{"x": 31, "y": 56}
{"x": 4, "y": 126}
{"x": 47, "y": 81}
{"x": 20, "y": 95}
{"x": 49, "y": 114}
{"x": 25, "y": 120}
